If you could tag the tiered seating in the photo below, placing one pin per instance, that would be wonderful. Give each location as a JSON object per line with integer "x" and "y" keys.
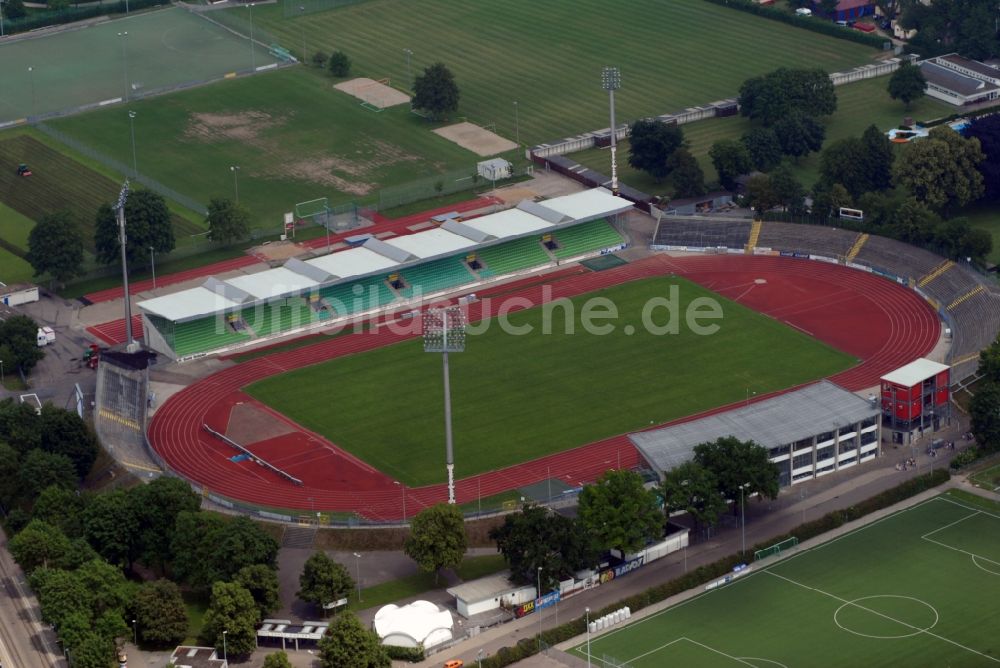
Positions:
{"x": 267, "y": 319}
{"x": 976, "y": 322}
{"x": 205, "y": 334}
{"x": 435, "y": 276}
{"x": 703, "y": 233}
{"x": 512, "y": 256}
{"x": 585, "y": 238}
{"x": 898, "y": 257}
{"x": 858, "y": 245}
{"x": 813, "y": 239}
{"x": 937, "y": 271}
{"x": 951, "y": 285}
{"x": 364, "y": 295}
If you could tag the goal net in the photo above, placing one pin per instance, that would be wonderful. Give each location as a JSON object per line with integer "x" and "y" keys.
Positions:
{"x": 777, "y": 548}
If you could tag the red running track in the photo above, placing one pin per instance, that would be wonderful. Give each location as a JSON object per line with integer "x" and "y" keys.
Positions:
{"x": 883, "y": 324}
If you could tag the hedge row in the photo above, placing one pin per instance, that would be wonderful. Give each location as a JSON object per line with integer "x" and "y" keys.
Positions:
{"x": 71, "y": 14}
{"x": 526, "y": 647}
{"x": 976, "y": 113}
{"x": 411, "y": 654}
{"x": 814, "y": 24}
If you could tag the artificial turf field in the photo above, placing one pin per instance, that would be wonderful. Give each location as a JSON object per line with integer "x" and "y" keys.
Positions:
{"x": 70, "y": 68}
{"x": 516, "y": 398}
{"x": 917, "y": 588}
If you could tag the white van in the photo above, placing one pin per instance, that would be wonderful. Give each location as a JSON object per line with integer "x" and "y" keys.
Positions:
{"x": 803, "y": 11}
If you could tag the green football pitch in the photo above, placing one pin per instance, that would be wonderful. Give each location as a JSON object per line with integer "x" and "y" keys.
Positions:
{"x": 516, "y": 398}
{"x": 547, "y": 56}
{"x": 917, "y": 588}
{"x": 71, "y": 68}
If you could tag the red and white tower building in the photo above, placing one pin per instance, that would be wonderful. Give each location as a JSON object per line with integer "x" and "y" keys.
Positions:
{"x": 916, "y": 398}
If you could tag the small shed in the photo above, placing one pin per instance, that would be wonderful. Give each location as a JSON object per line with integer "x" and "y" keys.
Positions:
{"x": 490, "y": 593}
{"x": 17, "y": 294}
{"x": 494, "y": 170}
{"x": 186, "y": 656}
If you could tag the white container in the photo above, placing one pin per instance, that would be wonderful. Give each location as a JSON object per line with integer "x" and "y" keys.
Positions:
{"x": 593, "y": 627}
{"x": 628, "y": 612}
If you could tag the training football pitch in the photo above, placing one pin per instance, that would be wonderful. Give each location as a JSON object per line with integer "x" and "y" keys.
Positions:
{"x": 108, "y": 60}
{"x": 516, "y": 398}
{"x": 547, "y": 56}
{"x": 917, "y": 588}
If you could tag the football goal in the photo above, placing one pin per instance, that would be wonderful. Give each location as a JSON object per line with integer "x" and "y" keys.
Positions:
{"x": 777, "y": 548}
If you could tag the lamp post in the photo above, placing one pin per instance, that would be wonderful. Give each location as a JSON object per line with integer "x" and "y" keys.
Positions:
{"x": 611, "y": 80}
{"x": 135, "y": 634}
{"x": 302, "y": 29}
{"x": 444, "y": 332}
{"x": 225, "y": 654}
{"x": 357, "y": 561}
{"x": 587, "y": 611}
{"x": 743, "y": 520}
{"x": 403, "y": 488}
{"x": 409, "y": 74}
{"x": 538, "y": 610}
{"x": 517, "y": 126}
{"x": 1, "y": 373}
{"x": 152, "y": 264}
{"x": 479, "y": 658}
{"x": 750, "y": 394}
{"x": 253, "y": 54}
{"x": 120, "y": 216}
{"x": 235, "y": 169}
{"x": 131, "y": 128}
{"x": 31, "y": 76}
{"x": 123, "y": 35}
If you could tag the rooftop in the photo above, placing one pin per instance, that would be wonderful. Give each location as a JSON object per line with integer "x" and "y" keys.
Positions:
{"x": 915, "y": 372}
{"x": 490, "y": 586}
{"x": 954, "y": 81}
{"x": 772, "y": 422}
{"x": 973, "y": 65}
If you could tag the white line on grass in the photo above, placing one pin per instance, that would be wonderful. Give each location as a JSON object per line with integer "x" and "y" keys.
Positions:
{"x": 947, "y": 526}
{"x": 879, "y": 614}
{"x": 962, "y": 505}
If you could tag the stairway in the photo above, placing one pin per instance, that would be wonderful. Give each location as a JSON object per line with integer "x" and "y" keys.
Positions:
{"x": 967, "y": 296}
{"x": 754, "y": 236}
{"x": 937, "y": 271}
{"x": 856, "y": 248}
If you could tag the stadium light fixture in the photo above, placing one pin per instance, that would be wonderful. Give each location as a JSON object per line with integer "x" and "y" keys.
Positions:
{"x": 444, "y": 332}
{"x": 611, "y": 80}
{"x": 120, "y": 216}
{"x": 235, "y": 169}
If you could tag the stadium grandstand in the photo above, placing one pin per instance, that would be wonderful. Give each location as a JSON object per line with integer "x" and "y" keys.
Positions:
{"x": 222, "y": 315}
{"x": 808, "y": 433}
{"x": 966, "y": 304}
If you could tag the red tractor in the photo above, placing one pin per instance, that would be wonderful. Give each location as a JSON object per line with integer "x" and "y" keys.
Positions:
{"x": 22, "y": 170}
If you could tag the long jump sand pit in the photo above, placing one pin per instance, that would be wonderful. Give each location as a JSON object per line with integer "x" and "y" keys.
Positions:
{"x": 376, "y": 93}
{"x": 476, "y": 139}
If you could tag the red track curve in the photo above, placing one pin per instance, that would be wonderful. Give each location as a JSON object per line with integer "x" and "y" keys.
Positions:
{"x": 881, "y": 323}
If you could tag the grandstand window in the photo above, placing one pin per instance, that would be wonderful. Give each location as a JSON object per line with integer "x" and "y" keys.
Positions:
{"x": 847, "y": 446}
{"x": 804, "y": 443}
{"x": 824, "y": 454}
{"x": 868, "y": 422}
{"x": 802, "y": 460}
{"x": 802, "y": 476}
{"x": 780, "y": 450}
{"x": 869, "y": 437}
{"x": 824, "y": 437}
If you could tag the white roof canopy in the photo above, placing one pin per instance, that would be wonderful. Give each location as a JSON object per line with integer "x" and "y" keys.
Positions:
{"x": 431, "y": 243}
{"x": 915, "y": 372}
{"x": 188, "y": 304}
{"x": 509, "y": 223}
{"x": 588, "y": 205}
{"x": 273, "y": 283}
{"x": 420, "y": 623}
{"x": 353, "y": 262}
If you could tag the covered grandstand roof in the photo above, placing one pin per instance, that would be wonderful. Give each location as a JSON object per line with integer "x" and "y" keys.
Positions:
{"x": 773, "y": 422}
{"x": 296, "y": 276}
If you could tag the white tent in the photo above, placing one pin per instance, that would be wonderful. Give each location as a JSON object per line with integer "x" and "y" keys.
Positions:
{"x": 419, "y": 624}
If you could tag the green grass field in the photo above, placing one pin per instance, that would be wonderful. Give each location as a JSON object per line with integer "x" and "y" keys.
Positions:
{"x": 293, "y": 136}
{"x": 548, "y": 56}
{"x": 987, "y": 478}
{"x": 859, "y": 105}
{"x": 915, "y": 589}
{"x": 71, "y": 68}
{"x": 516, "y": 398}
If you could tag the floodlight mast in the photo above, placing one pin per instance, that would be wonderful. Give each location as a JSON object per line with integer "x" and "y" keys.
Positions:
{"x": 444, "y": 332}
{"x": 611, "y": 80}
{"x": 120, "y": 216}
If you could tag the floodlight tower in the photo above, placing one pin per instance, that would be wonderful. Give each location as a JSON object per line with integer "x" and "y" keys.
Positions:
{"x": 611, "y": 80}
{"x": 120, "y": 216}
{"x": 444, "y": 332}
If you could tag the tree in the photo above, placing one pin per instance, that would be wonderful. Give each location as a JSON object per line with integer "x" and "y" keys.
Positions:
{"x": 941, "y": 170}
{"x": 147, "y": 223}
{"x": 907, "y": 84}
{"x": 19, "y": 334}
{"x": 773, "y": 96}
{"x": 787, "y": 190}
{"x": 914, "y": 223}
{"x": 156, "y": 506}
{"x": 735, "y": 463}
{"x": 56, "y": 247}
{"x": 41, "y": 469}
{"x": 843, "y": 162}
{"x": 319, "y": 59}
{"x": 277, "y": 660}
{"x": 20, "y": 426}
{"x": 232, "y": 609}
{"x": 193, "y": 549}
{"x": 985, "y": 412}
{"x": 160, "y": 614}
{"x": 989, "y": 362}
{"x": 39, "y": 545}
{"x": 879, "y": 158}
{"x": 760, "y": 195}
{"x": 437, "y": 538}
{"x": 686, "y": 174}
{"x": 227, "y": 221}
{"x": 435, "y": 91}
{"x": 537, "y": 538}
{"x": 340, "y": 64}
{"x": 348, "y": 644}
{"x": 730, "y": 159}
{"x": 14, "y": 9}
{"x": 108, "y": 590}
{"x": 111, "y": 527}
{"x": 262, "y": 583}
{"x": 987, "y": 130}
{"x": 93, "y": 651}
{"x": 651, "y": 143}
{"x": 59, "y": 507}
{"x": 9, "y": 467}
{"x": 323, "y": 580}
{"x": 617, "y": 512}
{"x": 61, "y": 595}
{"x": 799, "y": 134}
{"x": 65, "y": 433}
{"x": 693, "y": 489}
{"x": 240, "y": 543}
{"x": 763, "y": 147}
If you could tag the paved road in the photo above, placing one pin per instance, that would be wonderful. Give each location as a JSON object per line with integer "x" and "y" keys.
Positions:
{"x": 24, "y": 641}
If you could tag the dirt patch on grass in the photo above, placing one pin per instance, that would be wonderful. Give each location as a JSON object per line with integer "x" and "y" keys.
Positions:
{"x": 476, "y": 139}
{"x": 514, "y": 194}
{"x": 376, "y": 93}
{"x": 249, "y": 424}
{"x": 243, "y": 127}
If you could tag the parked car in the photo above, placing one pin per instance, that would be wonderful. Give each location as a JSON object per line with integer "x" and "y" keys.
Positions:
{"x": 803, "y": 11}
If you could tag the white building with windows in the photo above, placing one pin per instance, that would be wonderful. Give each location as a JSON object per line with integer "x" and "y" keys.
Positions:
{"x": 960, "y": 81}
{"x": 809, "y": 432}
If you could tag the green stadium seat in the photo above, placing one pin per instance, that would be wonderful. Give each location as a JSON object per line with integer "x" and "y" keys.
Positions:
{"x": 205, "y": 334}
{"x": 512, "y": 256}
{"x": 277, "y": 317}
{"x": 435, "y": 276}
{"x": 585, "y": 238}
{"x": 343, "y": 299}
